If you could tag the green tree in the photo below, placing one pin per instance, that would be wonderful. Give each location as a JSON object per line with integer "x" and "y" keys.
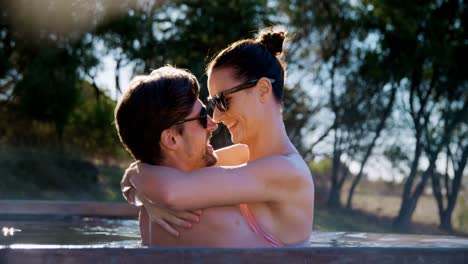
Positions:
{"x": 365, "y": 53}
{"x": 91, "y": 130}
{"x": 48, "y": 89}
{"x": 446, "y": 186}
{"x": 298, "y": 108}
{"x": 382, "y": 101}
{"x": 423, "y": 45}
{"x": 182, "y": 33}
{"x": 331, "y": 45}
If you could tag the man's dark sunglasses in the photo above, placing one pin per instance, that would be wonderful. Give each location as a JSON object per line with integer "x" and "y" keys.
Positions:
{"x": 203, "y": 118}
{"x": 220, "y": 100}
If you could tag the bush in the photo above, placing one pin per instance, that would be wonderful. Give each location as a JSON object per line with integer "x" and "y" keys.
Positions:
{"x": 29, "y": 171}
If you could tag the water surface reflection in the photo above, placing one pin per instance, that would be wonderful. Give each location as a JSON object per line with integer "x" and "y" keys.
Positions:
{"x": 104, "y": 232}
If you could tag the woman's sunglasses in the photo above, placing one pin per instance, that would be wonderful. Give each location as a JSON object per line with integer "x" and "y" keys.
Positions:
{"x": 220, "y": 100}
{"x": 203, "y": 118}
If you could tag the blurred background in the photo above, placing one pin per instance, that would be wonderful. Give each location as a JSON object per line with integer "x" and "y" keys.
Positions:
{"x": 376, "y": 98}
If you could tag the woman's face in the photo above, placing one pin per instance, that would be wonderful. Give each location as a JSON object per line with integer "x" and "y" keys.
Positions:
{"x": 240, "y": 116}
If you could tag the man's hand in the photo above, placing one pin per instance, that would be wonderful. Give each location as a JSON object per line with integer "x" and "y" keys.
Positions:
{"x": 167, "y": 218}
{"x": 164, "y": 217}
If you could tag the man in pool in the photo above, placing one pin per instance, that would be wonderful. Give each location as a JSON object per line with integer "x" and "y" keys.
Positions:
{"x": 161, "y": 121}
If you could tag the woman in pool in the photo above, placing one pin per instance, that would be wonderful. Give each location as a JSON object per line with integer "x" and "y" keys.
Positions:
{"x": 274, "y": 189}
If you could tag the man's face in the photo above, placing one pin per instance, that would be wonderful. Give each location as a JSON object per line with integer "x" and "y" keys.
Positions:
{"x": 196, "y": 139}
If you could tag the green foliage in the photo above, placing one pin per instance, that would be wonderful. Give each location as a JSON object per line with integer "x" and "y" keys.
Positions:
{"x": 45, "y": 173}
{"x": 30, "y": 171}
{"x": 357, "y": 52}
{"x": 48, "y": 89}
{"x": 3, "y": 62}
{"x": 298, "y": 107}
{"x": 349, "y": 221}
{"x": 49, "y": 76}
{"x": 365, "y": 51}
{"x": 322, "y": 167}
{"x": 396, "y": 155}
{"x": 183, "y": 33}
{"x": 463, "y": 215}
{"x": 91, "y": 129}
{"x": 49, "y": 97}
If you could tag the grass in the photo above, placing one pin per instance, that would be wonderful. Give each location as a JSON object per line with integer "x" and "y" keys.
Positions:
{"x": 109, "y": 179}
{"x": 326, "y": 219}
{"x": 107, "y": 188}
{"x": 425, "y": 218}
{"x": 357, "y": 220}
{"x": 376, "y": 204}
{"x": 29, "y": 173}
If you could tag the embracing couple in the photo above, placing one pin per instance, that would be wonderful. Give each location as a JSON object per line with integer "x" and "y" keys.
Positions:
{"x": 256, "y": 193}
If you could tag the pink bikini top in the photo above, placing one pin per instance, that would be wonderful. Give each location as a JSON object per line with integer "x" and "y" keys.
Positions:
{"x": 257, "y": 229}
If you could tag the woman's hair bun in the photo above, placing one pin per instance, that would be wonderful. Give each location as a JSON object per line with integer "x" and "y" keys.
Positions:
{"x": 272, "y": 39}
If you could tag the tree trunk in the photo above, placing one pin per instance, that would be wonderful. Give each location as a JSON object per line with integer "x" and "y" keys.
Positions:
{"x": 405, "y": 219}
{"x": 446, "y": 220}
{"x": 436, "y": 190}
{"x": 404, "y": 215}
{"x": 59, "y": 128}
{"x": 445, "y": 215}
{"x": 117, "y": 79}
{"x": 379, "y": 129}
{"x": 334, "y": 195}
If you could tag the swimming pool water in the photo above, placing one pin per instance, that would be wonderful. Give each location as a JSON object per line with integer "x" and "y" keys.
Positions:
{"x": 107, "y": 232}
{"x": 70, "y": 230}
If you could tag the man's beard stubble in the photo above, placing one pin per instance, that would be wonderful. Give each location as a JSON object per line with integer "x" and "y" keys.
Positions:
{"x": 209, "y": 159}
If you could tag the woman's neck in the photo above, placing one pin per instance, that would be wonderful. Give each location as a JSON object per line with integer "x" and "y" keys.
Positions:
{"x": 271, "y": 140}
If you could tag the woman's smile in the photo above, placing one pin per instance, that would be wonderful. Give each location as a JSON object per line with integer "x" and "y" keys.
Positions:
{"x": 231, "y": 125}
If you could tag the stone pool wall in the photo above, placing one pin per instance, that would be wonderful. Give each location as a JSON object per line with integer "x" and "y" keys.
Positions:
{"x": 210, "y": 255}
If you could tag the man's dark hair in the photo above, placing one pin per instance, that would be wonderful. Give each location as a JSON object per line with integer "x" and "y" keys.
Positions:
{"x": 151, "y": 104}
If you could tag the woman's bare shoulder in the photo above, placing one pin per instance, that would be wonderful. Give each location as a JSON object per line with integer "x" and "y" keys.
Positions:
{"x": 232, "y": 155}
{"x": 289, "y": 165}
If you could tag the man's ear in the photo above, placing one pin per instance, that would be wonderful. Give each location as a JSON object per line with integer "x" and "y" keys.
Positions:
{"x": 168, "y": 139}
{"x": 264, "y": 88}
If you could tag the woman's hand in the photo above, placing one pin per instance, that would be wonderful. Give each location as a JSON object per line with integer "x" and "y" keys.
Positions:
{"x": 163, "y": 216}
{"x": 167, "y": 218}
{"x": 126, "y": 186}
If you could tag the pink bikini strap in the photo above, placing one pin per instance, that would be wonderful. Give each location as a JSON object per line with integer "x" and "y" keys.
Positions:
{"x": 257, "y": 229}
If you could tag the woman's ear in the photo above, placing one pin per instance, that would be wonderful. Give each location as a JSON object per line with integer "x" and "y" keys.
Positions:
{"x": 264, "y": 88}
{"x": 168, "y": 139}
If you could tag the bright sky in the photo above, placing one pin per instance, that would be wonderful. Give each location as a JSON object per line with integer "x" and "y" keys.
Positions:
{"x": 106, "y": 76}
